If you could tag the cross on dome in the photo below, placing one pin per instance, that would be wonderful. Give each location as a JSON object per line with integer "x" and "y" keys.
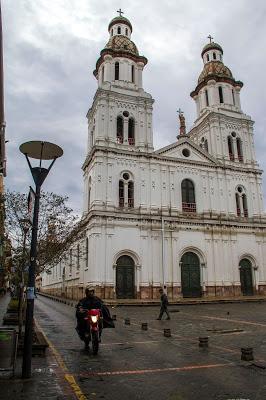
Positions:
{"x": 120, "y": 12}
{"x": 210, "y": 37}
{"x": 180, "y": 112}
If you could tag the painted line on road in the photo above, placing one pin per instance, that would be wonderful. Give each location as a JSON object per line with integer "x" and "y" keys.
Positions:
{"x": 127, "y": 343}
{"x": 234, "y": 320}
{"x": 155, "y": 370}
{"x": 68, "y": 377}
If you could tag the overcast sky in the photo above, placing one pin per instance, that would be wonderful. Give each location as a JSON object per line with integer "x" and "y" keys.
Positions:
{"x": 50, "y": 51}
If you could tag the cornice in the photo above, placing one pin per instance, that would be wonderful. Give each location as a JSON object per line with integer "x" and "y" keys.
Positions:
{"x": 171, "y": 160}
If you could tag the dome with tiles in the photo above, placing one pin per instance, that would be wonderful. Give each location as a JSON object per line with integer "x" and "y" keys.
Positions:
{"x": 215, "y": 68}
{"x": 122, "y": 43}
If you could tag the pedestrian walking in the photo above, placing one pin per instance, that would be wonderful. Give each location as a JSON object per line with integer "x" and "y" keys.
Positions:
{"x": 164, "y": 305}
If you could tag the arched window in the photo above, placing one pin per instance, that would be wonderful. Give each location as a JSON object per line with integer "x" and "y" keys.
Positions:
{"x": 87, "y": 252}
{"x": 207, "y": 98}
{"x": 233, "y": 97}
{"x": 119, "y": 30}
{"x": 131, "y": 131}
{"x": 188, "y": 196}
{"x": 89, "y": 193}
{"x": 241, "y": 202}
{"x": 230, "y": 148}
{"x": 214, "y": 56}
{"x": 102, "y": 74}
{"x": 239, "y": 149}
{"x": 78, "y": 257}
{"x": 208, "y": 58}
{"x": 112, "y": 32}
{"x": 221, "y": 97}
{"x": 121, "y": 194}
{"x": 238, "y": 210}
{"x": 206, "y": 147}
{"x": 132, "y": 73}
{"x": 120, "y": 129}
{"x": 245, "y": 205}
{"x": 130, "y": 194}
{"x": 116, "y": 71}
{"x": 126, "y": 31}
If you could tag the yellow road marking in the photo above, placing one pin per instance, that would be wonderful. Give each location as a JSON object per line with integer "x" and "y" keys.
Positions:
{"x": 68, "y": 377}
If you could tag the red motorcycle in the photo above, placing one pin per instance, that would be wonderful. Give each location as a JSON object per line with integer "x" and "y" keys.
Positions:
{"x": 93, "y": 330}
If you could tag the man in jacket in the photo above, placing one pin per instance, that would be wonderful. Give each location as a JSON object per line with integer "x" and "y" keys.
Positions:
{"x": 164, "y": 305}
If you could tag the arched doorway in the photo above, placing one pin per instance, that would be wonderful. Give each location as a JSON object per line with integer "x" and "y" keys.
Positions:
{"x": 190, "y": 275}
{"x": 246, "y": 278}
{"x": 125, "y": 278}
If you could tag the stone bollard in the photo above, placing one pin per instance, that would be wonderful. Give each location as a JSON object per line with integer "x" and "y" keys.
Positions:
{"x": 144, "y": 326}
{"x": 247, "y": 354}
{"x": 204, "y": 341}
{"x": 114, "y": 317}
{"x": 127, "y": 321}
{"x": 167, "y": 332}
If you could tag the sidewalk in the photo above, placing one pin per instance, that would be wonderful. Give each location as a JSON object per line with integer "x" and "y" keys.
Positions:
{"x": 47, "y": 381}
{"x": 156, "y": 302}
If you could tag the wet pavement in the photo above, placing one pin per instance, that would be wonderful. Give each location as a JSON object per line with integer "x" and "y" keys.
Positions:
{"x": 135, "y": 364}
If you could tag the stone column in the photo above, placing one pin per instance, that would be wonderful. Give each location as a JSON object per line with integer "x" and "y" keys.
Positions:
{"x": 139, "y": 75}
{"x": 237, "y": 97}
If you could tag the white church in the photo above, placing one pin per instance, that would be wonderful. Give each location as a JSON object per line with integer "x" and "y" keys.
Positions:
{"x": 189, "y": 216}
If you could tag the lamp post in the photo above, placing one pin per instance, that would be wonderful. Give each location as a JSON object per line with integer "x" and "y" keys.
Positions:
{"x": 25, "y": 226}
{"x": 40, "y": 151}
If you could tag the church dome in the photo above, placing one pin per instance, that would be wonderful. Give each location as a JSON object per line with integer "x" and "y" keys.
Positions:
{"x": 211, "y": 46}
{"x": 120, "y": 20}
{"x": 121, "y": 43}
{"x": 215, "y": 68}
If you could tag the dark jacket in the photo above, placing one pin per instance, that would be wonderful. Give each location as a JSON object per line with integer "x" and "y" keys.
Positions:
{"x": 164, "y": 300}
{"x": 88, "y": 303}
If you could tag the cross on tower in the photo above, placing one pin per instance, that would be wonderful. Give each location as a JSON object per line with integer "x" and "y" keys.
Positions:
{"x": 210, "y": 37}
{"x": 180, "y": 112}
{"x": 120, "y": 12}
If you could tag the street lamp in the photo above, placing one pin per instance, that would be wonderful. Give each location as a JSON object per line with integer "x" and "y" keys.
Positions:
{"x": 40, "y": 151}
{"x": 25, "y": 226}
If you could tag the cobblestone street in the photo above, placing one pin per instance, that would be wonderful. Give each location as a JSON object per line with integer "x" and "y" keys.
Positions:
{"x": 137, "y": 364}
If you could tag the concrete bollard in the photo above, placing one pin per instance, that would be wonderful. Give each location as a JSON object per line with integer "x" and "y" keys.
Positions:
{"x": 114, "y": 317}
{"x": 167, "y": 332}
{"x": 144, "y": 326}
{"x": 247, "y": 354}
{"x": 127, "y": 321}
{"x": 204, "y": 341}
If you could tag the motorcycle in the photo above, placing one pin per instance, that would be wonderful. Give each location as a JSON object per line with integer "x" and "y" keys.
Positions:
{"x": 93, "y": 319}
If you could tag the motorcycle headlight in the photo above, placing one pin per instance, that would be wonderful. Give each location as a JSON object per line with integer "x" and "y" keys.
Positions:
{"x": 94, "y": 318}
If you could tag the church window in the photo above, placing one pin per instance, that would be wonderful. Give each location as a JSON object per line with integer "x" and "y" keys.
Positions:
{"x": 221, "y": 97}
{"x": 116, "y": 71}
{"x": 112, "y": 32}
{"x": 131, "y": 131}
{"x": 126, "y": 31}
{"x": 70, "y": 262}
{"x": 89, "y": 193}
{"x": 238, "y": 210}
{"x": 188, "y": 196}
{"x": 186, "y": 152}
{"x": 214, "y": 56}
{"x": 119, "y": 30}
{"x": 233, "y": 96}
{"x": 126, "y": 114}
{"x": 121, "y": 194}
{"x": 230, "y": 148}
{"x": 130, "y": 194}
{"x": 132, "y": 73}
{"x": 87, "y": 252}
{"x": 206, "y": 147}
{"x": 78, "y": 257}
{"x": 208, "y": 57}
{"x": 245, "y": 205}
{"x": 102, "y": 74}
{"x": 119, "y": 129}
{"x": 239, "y": 149}
{"x": 221, "y": 57}
{"x": 207, "y": 98}
{"x": 126, "y": 176}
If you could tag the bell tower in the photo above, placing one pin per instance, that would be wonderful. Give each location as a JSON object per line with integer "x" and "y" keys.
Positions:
{"x": 121, "y": 113}
{"x": 221, "y": 127}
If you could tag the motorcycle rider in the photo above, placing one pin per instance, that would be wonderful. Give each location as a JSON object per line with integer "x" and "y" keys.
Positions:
{"x": 89, "y": 302}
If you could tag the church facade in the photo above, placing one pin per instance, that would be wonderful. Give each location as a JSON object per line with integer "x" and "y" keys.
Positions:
{"x": 189, "y": 216}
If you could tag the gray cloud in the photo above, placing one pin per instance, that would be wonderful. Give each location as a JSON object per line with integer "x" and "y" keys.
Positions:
{"x": 51, "y": 49}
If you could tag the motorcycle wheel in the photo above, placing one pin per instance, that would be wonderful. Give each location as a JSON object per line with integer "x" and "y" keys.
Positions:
{"x": 87, "y": 343}
{"x": 95, "y": 343}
